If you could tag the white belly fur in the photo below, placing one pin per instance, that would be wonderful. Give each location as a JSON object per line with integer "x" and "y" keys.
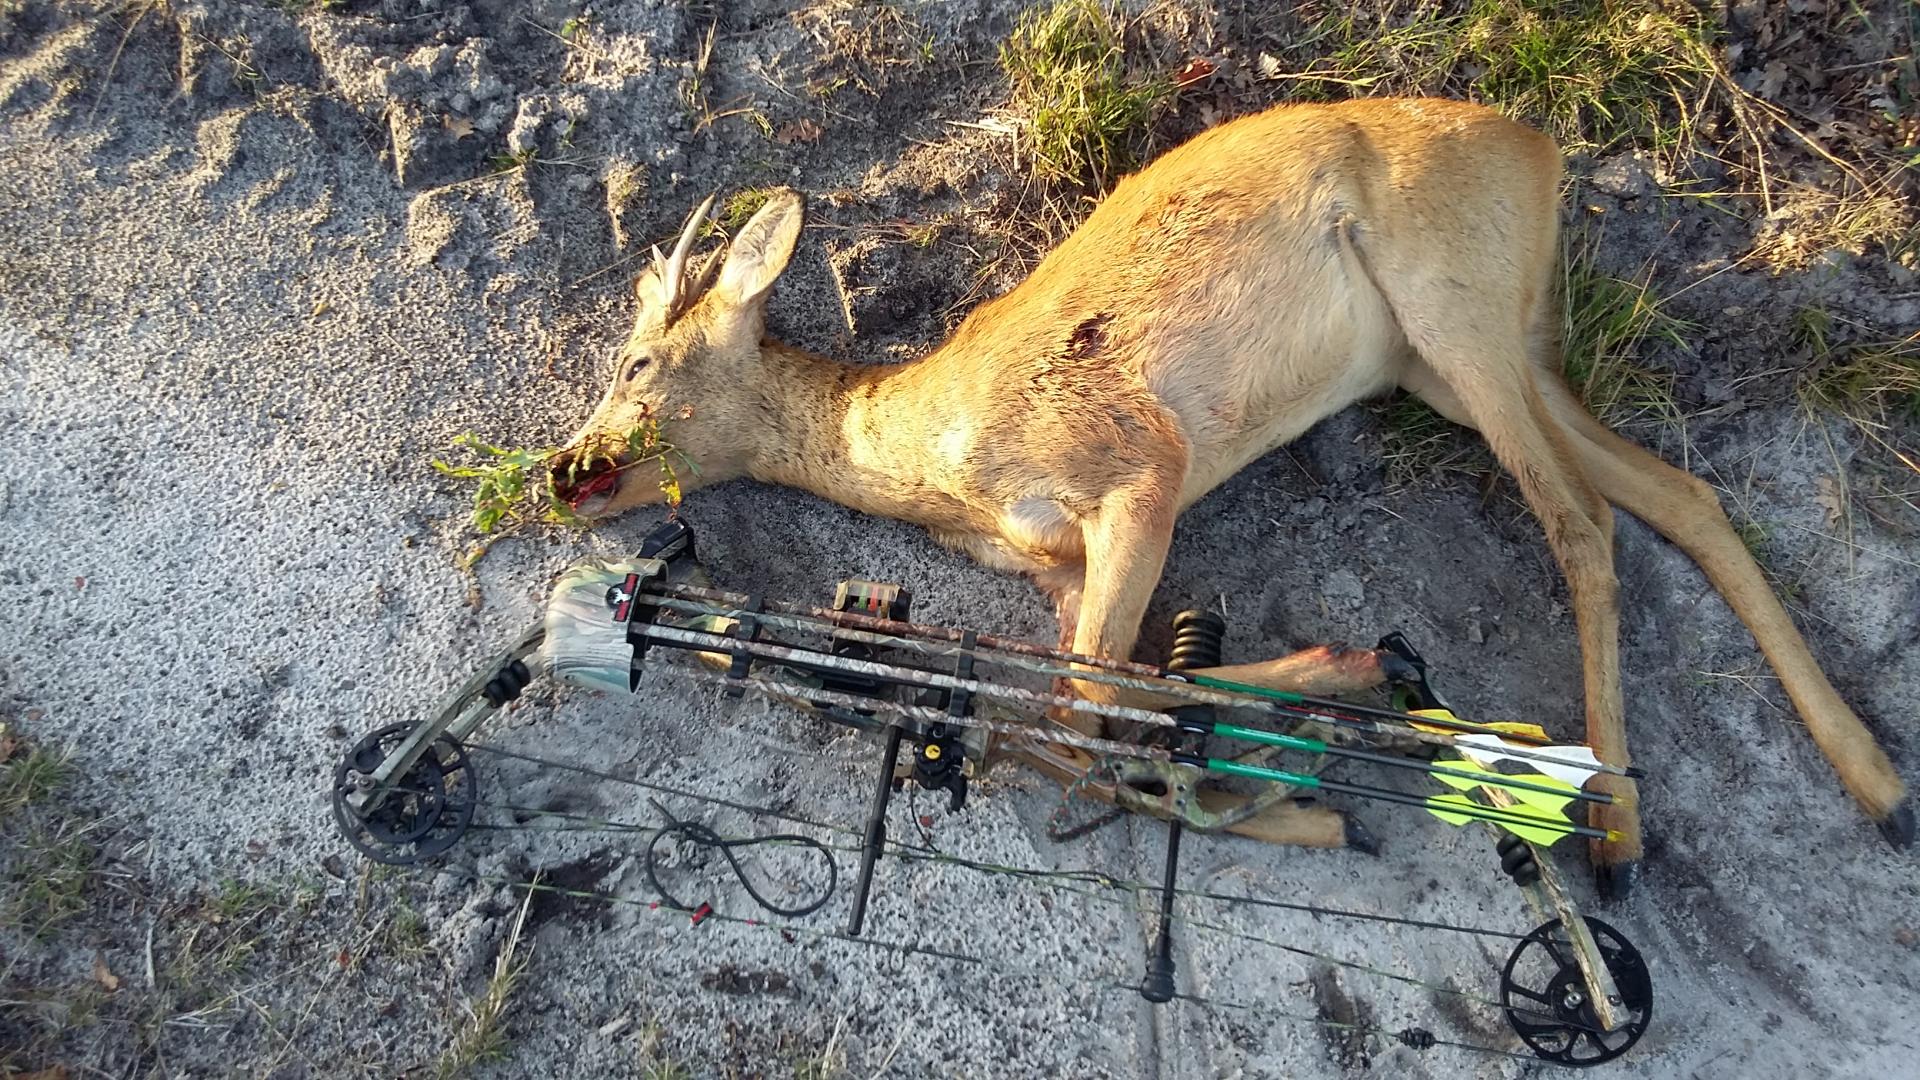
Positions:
{"x": 1246, "y": 364}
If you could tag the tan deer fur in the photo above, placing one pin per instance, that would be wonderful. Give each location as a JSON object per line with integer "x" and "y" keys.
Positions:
{"x": 1216, "y": 305}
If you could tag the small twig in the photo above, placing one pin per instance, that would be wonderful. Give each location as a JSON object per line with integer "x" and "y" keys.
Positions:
{"x": 106, "y": 80}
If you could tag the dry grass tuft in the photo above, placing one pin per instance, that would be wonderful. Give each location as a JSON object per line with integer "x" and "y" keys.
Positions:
{"x": 1849, "y": 216}
{"x": 483, "y": 1037}
{"x": 1417, "y": 444}
{"x": 1875, "y": 383}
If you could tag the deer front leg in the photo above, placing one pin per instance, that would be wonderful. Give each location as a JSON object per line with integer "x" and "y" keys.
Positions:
{"x": 1126, "y": 549}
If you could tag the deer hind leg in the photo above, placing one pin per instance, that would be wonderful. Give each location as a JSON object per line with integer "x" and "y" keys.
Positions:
{"x": 1323, "y": 670}
{"x": 1685, "y": 510}
{"x": 1485, "y": 380}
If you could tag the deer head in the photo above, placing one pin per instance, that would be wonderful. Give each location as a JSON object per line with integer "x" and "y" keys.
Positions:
{"x": 691, "y": 364}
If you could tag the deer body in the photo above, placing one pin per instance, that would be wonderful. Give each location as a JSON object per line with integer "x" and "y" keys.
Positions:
{"x": 1216, "y": 305}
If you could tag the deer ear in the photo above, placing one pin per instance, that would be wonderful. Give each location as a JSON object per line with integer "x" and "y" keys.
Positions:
{"x": 762, "y": 249}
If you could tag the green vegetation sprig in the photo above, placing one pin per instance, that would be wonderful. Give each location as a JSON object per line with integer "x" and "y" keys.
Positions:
{"x": 513, "y": 489}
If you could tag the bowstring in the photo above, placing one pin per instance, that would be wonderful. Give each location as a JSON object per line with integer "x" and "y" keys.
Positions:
{"x": 1106, "y": 983}
{"x": 929, "y": 854}
{"x": 1062, "y": 881}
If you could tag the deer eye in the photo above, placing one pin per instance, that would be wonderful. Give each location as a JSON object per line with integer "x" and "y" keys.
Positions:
{"x": 634, "y": 369}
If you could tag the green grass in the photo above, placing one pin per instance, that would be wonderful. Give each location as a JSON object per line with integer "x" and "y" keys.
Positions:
{"x": 51, "y": 866}
{"x": 48, "y": 852}
{"x": 31, "y": 776}
{"x": 508, "y": 160}
{"x": 1083, "y": 119}
{"x": 741, "y": 206}
{"x": 1606, "y": 323}
{"x": 1591, "y": 72}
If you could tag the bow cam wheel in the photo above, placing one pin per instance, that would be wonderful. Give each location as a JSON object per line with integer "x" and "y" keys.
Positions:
{"x": 1547, "y": 1001}
{"x": 416, "y": 816}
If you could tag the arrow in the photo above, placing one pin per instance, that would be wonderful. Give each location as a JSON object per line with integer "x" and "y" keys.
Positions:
{"x": 1464, "y": 775}
{"x": 1570, "y": 764}
{"x": 1528, "y": 822}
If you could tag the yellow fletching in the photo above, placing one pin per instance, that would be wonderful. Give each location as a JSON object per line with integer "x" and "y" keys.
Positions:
{"x": 1542, "y": 799}
{"x": 1437, "y": 804}
{"x": 1505, "y": 727}
{"x": 1546, "y": 834}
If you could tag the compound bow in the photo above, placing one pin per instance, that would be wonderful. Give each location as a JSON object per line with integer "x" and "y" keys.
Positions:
{"x": 1574, "y": 989}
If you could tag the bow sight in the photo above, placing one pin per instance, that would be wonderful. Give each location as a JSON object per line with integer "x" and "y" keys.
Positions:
{"x": 1574, "y": 990}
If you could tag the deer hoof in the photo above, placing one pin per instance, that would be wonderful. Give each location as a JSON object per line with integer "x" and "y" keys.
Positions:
{"x": 1361, "y": 839}
{"x": 1897, "y": 826}
{"x": 1615, "y": 881}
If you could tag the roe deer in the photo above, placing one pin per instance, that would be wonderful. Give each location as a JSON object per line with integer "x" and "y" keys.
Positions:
{"x": 1216, "y": 305}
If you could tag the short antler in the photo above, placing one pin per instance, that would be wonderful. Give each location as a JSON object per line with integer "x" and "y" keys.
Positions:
{"x": 673, "y": 269}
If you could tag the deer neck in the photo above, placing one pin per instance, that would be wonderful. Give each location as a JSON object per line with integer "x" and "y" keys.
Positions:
{"x": 862, "y": 435}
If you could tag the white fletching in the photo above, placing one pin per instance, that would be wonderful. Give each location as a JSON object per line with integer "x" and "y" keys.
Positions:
{"x": 1572, "y": 764}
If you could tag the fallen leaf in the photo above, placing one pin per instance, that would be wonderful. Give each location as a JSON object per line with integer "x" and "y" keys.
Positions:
{"x": 79, "y": 583}
{"x": 102, "y": 975}
{"x": 1831, "y": 498}
{"x": 1198, "y": 70}
{"x": 798, "y": 131}
{"x": 459, "y": 126}
{"x": 320, "y": 307}
{"x": 58, "y": 1072}
{"x": 1772, "y": 79}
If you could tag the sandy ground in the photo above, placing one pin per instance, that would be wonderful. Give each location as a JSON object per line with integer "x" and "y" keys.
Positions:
{"x": 243, "y": 306}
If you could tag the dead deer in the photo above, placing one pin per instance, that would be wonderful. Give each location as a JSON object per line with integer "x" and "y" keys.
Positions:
{"x": 1216, "y": 305}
